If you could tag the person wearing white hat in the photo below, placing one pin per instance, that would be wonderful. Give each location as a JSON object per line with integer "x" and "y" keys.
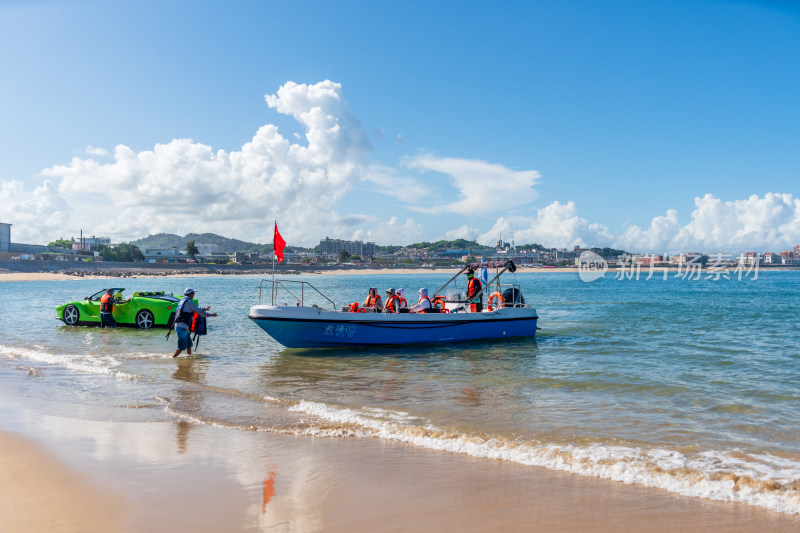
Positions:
{"x": 424, "y": 302}
{"x": 402, "y": 304}
{"x": 184, "y": 313}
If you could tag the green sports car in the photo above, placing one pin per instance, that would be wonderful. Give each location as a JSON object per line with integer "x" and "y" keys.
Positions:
{"x": 143, "y": 310}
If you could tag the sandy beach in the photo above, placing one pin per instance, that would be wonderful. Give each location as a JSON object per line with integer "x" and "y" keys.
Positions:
{"x": 110, "y": 272}
{"x": 50, "y": 276}
{"x": 67, "y": 474}
{"x": 38, "y": 493}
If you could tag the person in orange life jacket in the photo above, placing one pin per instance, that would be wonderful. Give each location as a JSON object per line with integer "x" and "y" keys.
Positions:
{"x": 424, "y": 302}
{"x": 473, "y": 288}
{"x": 392, "y": 302}
{"x": 106, "y": 310}
{"x": 374, "y": 300}
{"x": 183, "y": 319}
{"x": 402, "y": 304}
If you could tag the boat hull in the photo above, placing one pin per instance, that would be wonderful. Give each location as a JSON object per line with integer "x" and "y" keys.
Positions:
{"x": 303, "y": 327}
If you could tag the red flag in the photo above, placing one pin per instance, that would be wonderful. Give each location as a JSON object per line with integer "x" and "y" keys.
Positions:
{"x": 278, "y": 244}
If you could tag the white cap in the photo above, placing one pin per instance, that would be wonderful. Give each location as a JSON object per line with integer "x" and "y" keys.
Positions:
{"x": 188, "y": 291}
{"x": 423, "y": 291}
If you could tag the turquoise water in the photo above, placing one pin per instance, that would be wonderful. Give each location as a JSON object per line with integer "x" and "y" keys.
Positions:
{"x": 686, "y": 385}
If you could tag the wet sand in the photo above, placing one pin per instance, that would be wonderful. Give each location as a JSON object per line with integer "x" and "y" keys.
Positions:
{"x": 40, "y": 494}
{"x": 182, "y": 476}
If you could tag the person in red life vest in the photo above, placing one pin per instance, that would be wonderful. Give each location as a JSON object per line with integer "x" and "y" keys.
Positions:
{"x": 402, "y": 304}
{"x": 392, "y": 302}
{"x": 106, "y": 310}
{"x": 473, "y": 289}
{"x": 373, "y": 300}
{"x": 424, "y": 302}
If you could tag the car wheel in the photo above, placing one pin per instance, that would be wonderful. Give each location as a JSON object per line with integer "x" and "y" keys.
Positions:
{"x": 145, "y": 319}
{"x": 71, "y": 315}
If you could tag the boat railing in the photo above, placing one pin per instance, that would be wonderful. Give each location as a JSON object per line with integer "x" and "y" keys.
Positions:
{"x": 493, "y": 285}
{"x": 485, "y": 295}
{"x": 299, "y": 292}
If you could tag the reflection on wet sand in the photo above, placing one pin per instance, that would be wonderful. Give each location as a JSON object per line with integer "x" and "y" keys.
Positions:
{"x": 269, "y": 491}
{"x": 192, "y": 371}
{"x": 182, "y": 434}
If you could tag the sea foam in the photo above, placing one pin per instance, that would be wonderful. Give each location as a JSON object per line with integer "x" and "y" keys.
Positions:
{"x": 100, "y": 364}
{"x": 760, "y": 480}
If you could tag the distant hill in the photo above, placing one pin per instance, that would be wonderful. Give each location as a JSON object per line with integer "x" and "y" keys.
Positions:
{"x": 160, "y": 240}
{"x": 226, "y": 244}
{"x": 441, "y": 246}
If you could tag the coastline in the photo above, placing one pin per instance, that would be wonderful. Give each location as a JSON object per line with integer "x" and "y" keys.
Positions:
{"x": 110, "y": 272}
{"x": 186, "y": 476}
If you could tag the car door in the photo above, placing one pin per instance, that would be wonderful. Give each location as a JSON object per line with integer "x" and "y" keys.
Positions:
{"x": 93, "y": 305}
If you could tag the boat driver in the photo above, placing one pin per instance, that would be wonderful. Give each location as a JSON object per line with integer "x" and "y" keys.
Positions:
{"x": 473, "y": 290}
{"x": 424, "y": 302}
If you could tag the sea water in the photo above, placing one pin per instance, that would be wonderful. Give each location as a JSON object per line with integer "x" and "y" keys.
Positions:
{"x": 689, "y": 385}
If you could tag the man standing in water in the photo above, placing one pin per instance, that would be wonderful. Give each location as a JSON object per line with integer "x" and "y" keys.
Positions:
{"x": 106, "y": 310}
{"x": 183, "y": 320}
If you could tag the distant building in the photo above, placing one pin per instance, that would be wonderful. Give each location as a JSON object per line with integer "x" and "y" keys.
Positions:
{"x": 239, "y": 257}
{"x": 332, "y": 247}
{"x": 5, "y": 237}
{"x": 789, "y": 258}
{"x": 85, "y": 244}
{"x": 207, "y": 249}
{"x": 749, "y": 259}
{"x": 13, "y": 250}
{"x": 684, "y": 259}
{"x": 771, "y": 258}
{"x": 797, "y": 252}
{"x": 215, "y": 257}
{"x": 162, "y": 255}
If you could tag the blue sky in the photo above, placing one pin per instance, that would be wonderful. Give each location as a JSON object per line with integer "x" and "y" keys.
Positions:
{"x": 649, "y": 125}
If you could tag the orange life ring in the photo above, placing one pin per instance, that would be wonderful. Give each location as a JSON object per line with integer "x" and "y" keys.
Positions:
{"x": 439, "y": 300}
{"x": 499, "y": 298}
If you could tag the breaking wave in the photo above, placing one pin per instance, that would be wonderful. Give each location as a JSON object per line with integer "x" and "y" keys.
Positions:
{"x": 763, "y": 480}
{"x": 98, "y": 364}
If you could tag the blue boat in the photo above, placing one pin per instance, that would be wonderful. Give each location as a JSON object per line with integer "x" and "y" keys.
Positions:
{"x": 453, "y": 320}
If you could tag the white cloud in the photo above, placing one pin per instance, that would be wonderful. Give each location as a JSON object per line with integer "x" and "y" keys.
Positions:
{"x": 184, "y": 186}
{"x": 463, "y": 232}
{"x": 757, "y": 223}
{"x": 484, "y": 187}
{"x": 556, "y": 225}
{"x": 389, "y": 181}
{"x": 768, "y": 223}
{"x": 38, "y": 216}
{"x": 394, "y": 231}
{"x": 93, "y": 150}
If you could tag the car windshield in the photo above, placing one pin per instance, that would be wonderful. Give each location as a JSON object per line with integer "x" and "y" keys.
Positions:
{"x": 99, "y": 294}
{"x": 158, "y": 296}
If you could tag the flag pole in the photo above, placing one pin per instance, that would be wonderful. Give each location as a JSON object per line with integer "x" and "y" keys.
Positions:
{"x": 273, "y": 261}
